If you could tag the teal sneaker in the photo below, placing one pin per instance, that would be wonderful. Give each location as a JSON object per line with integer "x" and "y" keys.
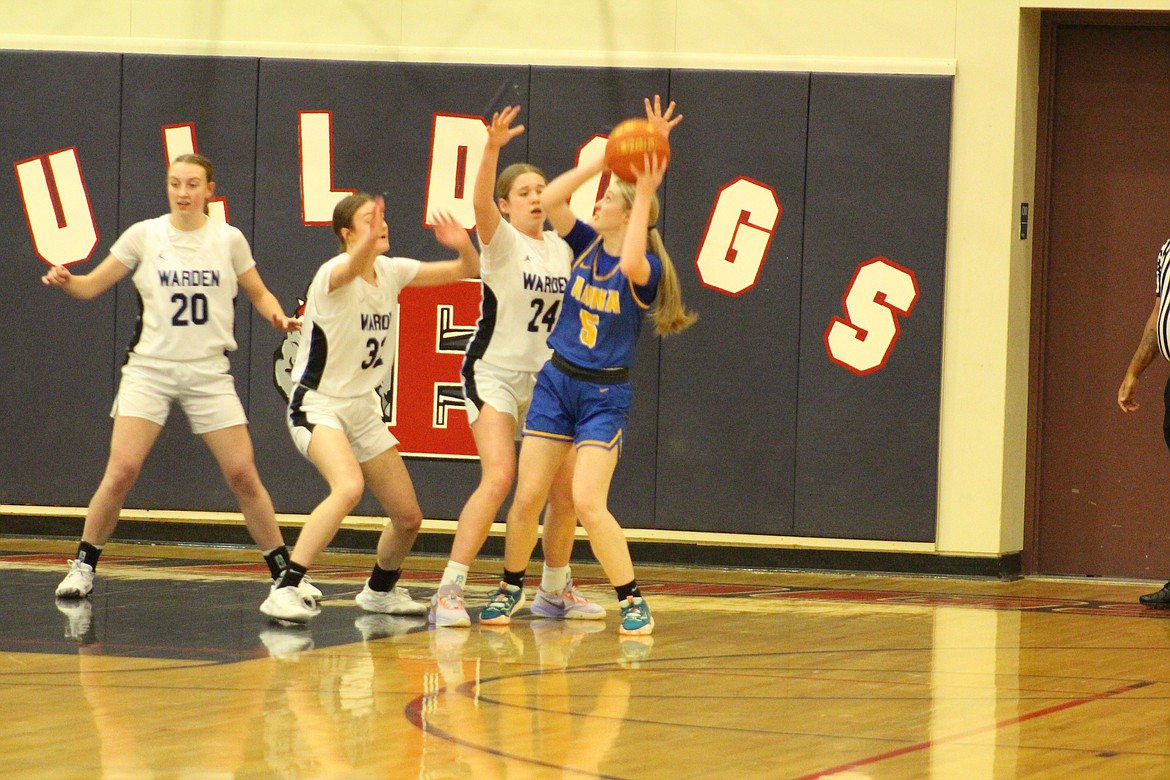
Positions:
{"x": 636, "y": 619}
{"x": 503, "y": 605}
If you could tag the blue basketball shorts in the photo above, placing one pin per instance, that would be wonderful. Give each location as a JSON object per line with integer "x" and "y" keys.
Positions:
{"x": 589, "y": 414}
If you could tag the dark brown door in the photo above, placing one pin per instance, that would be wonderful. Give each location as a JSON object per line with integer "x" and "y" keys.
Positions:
{"x": 1101, "y": 501}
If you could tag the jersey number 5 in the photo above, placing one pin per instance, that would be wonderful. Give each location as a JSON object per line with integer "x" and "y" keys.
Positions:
{"x": 589, "y": 322}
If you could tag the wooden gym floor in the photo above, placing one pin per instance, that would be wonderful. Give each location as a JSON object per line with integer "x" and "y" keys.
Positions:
{"x": 169, "y": 671}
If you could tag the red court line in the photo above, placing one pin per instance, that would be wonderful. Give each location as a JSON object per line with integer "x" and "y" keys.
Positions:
{"x": 972, "y": 732}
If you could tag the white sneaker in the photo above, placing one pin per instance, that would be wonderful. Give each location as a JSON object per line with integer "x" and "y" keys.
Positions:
{"x": 396, "y": 601}
{"x": 308, "y": 589}
{"x": 448, "y": 609}
{"x": 290, "y": 605}
{"x": 77, "y": 583}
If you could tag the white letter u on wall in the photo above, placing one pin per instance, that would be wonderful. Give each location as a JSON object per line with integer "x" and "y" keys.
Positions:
{"x": 71, "y": 236}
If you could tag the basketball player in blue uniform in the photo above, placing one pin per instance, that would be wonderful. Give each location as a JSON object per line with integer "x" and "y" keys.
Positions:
{"x": 347, "y": 349}
{"x": 621, "y": 274}
{"x": 187, "y": 269}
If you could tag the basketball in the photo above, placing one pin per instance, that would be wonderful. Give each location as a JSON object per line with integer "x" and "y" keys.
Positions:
{"x": 629, "y": 142}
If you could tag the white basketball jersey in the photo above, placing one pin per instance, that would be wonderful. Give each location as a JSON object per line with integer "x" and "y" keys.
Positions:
{"x": 523, "y": 283}
{"x": 186, "y": 284}
{"x": 349, "y": 336}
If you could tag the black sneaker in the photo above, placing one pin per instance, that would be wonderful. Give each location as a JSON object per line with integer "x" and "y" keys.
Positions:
{"x": 1160, "y": 598}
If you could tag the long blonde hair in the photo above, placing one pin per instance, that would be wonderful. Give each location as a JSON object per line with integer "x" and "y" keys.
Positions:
{"x": 669, "y": 314}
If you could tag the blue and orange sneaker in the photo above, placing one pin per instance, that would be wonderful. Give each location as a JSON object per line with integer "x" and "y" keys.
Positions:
{"x": 636, "y": 619}
{"x": 503, "y": 605}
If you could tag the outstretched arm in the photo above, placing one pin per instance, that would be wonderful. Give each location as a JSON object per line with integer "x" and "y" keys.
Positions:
{"x": 88, "y": 286}
{"x": 555, "y": 198}
{"x": 1144, "y": 355}
{"x": 633, "y": 260}
{"x": 265, "y": 302}
{"x": 452, "y": 235}
{"x": 487, "y": 214}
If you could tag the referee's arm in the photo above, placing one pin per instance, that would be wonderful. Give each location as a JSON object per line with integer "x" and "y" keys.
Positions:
{"x": 1142, "y": 357}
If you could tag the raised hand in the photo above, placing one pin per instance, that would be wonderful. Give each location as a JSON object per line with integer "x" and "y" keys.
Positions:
{"x": 664, "y": 121}
{"x": 449, "y": 232}
{"x": 501, "y": 130}
{"x": 651, "y": 174}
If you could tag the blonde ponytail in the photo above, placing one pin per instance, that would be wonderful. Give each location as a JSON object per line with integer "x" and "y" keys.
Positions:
{"x": 669, "y": 313}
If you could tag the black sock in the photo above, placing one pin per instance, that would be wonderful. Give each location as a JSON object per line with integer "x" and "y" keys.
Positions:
{"x": 292, "y": 576}
{"x": 87, "y": 553}
{"x": 277, "y": 560}
{"x": 383, "y": 580}
{"x": 514, "y": 578}
{"x": 627, "y": 590}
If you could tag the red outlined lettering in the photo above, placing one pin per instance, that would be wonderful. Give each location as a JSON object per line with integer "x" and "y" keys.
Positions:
{"x": 456, "y": 150}
{"x": 179, "y": 139}
{"x": 63, "y": 228}
{"x": 318, "y": 197}
{"x": 879, "y": 291}
{"x": 434, "y": 324}
{"x": 585, "y": 197}
{"x": 739, "y": 231}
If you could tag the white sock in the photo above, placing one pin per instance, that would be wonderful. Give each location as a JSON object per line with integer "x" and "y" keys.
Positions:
{"x": 554, "y": 580}
{"x": 455, "y": 573}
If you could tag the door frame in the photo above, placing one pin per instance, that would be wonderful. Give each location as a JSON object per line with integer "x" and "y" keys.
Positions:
{"x": 1050, "y": 22}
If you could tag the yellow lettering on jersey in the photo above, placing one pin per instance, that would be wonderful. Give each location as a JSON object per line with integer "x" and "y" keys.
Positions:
{"x": 597, "y": 298}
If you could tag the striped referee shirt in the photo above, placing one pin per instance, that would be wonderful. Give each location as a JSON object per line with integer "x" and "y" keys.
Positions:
{"x": 1164, "y": 300}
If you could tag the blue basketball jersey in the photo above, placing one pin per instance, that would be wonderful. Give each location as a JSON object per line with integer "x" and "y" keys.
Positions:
{"x": 603, "y": 310}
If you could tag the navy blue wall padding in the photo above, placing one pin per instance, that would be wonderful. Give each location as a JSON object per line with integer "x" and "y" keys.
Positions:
{"x": 741, "y": 424}
{"x": 867, "y": 446}
{"x": 727, "y": 422}
{"x": 59, "y": 353}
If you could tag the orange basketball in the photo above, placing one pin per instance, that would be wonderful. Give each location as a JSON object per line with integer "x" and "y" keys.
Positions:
{"x": 629, "y": 142}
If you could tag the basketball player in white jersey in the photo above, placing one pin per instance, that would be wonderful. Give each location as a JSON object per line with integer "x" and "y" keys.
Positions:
{"x": 524, "y": 270}
{"x": 187, "y": 269}
{"x": 347, "y": 349}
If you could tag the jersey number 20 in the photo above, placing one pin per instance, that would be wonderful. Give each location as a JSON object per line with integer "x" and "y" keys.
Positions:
{"x": 194, "y": 307}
